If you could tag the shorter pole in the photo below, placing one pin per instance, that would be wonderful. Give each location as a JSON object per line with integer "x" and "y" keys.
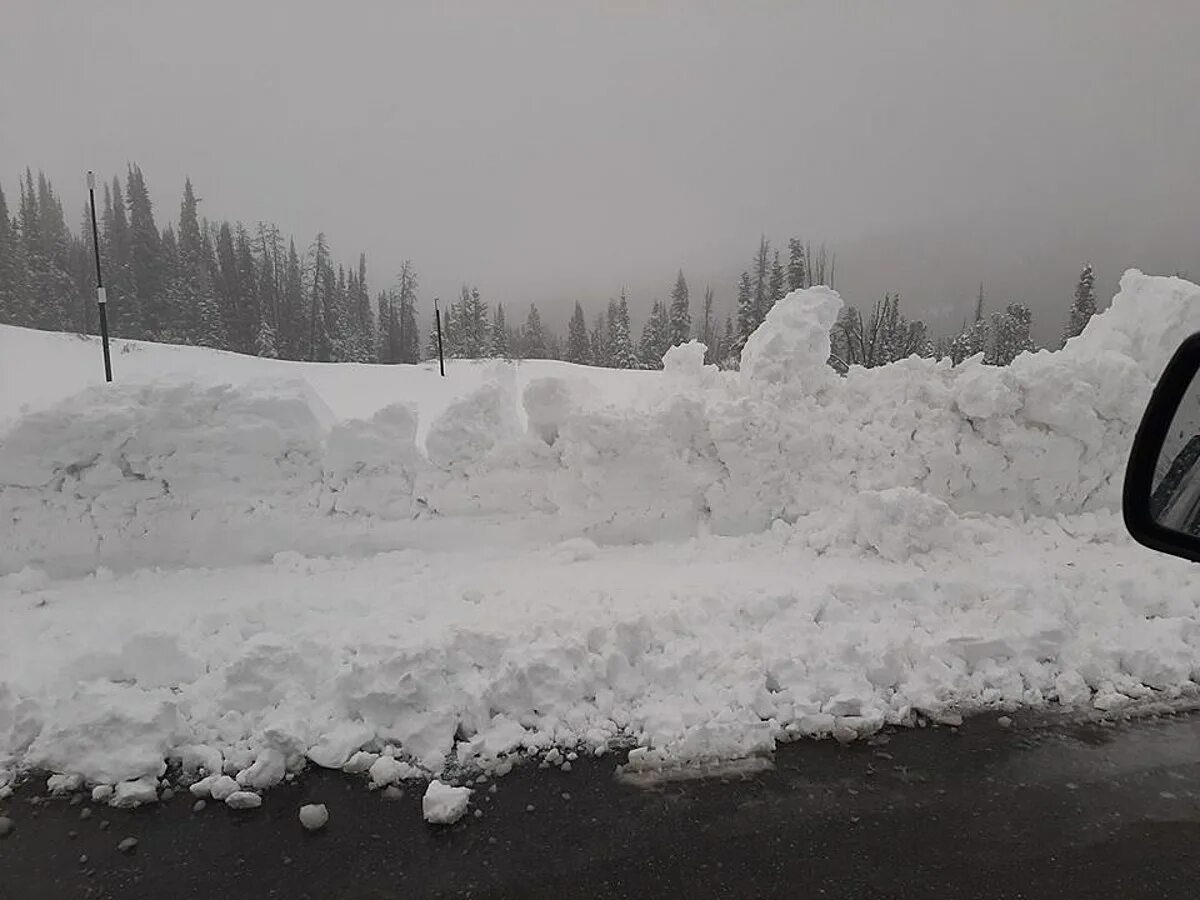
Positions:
{"x": 437, "y": 318}
{"x": 101, "y": 299}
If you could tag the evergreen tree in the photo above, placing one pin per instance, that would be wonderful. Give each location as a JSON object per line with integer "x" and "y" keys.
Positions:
{"x": 727, "y": 344}
{"x": 979, "y": 304}
{"x": 13, "y": 288}
{"x": 776, "y": 287}
{"x": 620, "y": 336}
{"x": 319, "y": 346}
{"x": 124, "y": 313}
{"x": 1084, "y": 305}
{"x": 291, "y": 333}
{"x": 196, "y": 316}
{"x": 598, "y": 339}
{"x": 709, "y": 335}
{"x": 656, "y": 337}
{"x": 747, "y": 314}
{"x": 147, "y": 258}
{"x": 796, "y": 279}
{"x": 680, "y": 318}
{"x": 533, "y": 336}
{"x": 502, "y": 343}
{"x": 472, "y": 329}
{"x": 1011, "y": 334}
{"x": 762, "y": 279}
{"x": 578, "y": 345}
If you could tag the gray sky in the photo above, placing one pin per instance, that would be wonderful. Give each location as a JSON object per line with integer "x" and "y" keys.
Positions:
{"x": 554, "y": 151}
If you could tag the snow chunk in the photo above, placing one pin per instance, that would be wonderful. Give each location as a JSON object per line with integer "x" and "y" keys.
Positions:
{"x": 336, "y": 746}
{"x": 444, "y": 804}
{"x": 791, "y": 346}
{"x": 222, "y": 787}
{"x": 386, "y": 770}
{"x": 268, "y": 770}
{"x": 313, "y": 816}
{"x": 134, "y": 793}
{"x": 243, "y": 800}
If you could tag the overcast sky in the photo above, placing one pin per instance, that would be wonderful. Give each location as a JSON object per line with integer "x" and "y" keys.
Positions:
{"x": 553, "y": 151}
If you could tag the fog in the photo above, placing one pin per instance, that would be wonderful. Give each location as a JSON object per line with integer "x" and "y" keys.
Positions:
{"x": 556, "y": 151}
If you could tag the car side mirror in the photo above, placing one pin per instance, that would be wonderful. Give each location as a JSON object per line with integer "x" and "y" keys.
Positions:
{"x": 1161, "y": 498}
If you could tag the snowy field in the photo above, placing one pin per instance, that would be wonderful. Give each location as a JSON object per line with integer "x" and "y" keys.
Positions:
{"x": 247, "y": 564}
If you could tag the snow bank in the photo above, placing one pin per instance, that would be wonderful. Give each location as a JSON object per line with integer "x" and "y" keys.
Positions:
{"x": 846, "y": 552}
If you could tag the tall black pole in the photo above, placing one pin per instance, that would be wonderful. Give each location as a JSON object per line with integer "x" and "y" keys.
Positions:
{"x": 101, "y": 299}
{"x": 437, "y": 318}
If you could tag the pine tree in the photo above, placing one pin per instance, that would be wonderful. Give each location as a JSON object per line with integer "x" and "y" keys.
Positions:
{"x": 776, "y": 286}
{"x": 319, "y": 346}
{"x": 1084, "y": 305}
{"x": 679, "y": 324}
{"x": 762, "y": 279}
{"x": 727, "y": 343}
{"x": 598, "y": 339}
{"x": 979, "y": 304}
{"x": 1011, "y": 334}
{"x": 578, "y": 345}
{"x": 533, "y": 336}
{"x": 13, "y": 287}
{"x": 472, "y": 329}
{"x": 796, "y": 273}
{"x": 708, "y": 330}
{"x": 747, "y": 315}
{"x": 291, "y": 333}
{"x": 502, "y": 344}
{"x": 147, "y": 258}
{"x": 124, "y": 313}
{"x": 196, "y": 317}
{"x": 620, "y": 336}
{"x": 656, "y": 337}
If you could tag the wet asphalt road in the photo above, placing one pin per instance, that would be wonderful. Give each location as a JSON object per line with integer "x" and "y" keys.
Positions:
{"x": 1034, "y": 810}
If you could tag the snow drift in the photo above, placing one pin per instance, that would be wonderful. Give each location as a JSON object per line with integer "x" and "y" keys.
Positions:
{"x": 845, "y": 552}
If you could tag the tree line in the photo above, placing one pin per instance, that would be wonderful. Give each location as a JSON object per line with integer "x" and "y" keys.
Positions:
{"x": 223, "y": 285}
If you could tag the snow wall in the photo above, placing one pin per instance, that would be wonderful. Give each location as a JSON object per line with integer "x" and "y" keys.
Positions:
{"x": 170, "y": 474}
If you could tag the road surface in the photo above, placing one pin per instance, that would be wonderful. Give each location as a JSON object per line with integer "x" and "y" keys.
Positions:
{"x": 985, "y": 811}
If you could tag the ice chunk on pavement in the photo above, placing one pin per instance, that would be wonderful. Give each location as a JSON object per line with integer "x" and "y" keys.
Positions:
{"x": 222, "y": 787}
{"x": 268, "y": 770}
{"x": 313, "y": 816}
{"x": 444, "y": 804}
{"x": 386, "y": 770}
{"x": 243, "y": 800}
{"x": 135, "y": 793}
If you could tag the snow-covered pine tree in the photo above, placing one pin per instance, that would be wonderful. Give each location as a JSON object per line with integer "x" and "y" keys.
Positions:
{"x": 12, "y": 271}
{"x": 708, "y": 329}
{"x": 148, "y": 259}
{"x": 747, "y": 317}
{"x": 598, "y": 339}
{"x": 796, "y": 279}
{"x": 762, "y": 278}
{"x": 656, "y": 337}
{"x": 1011, "y": 334}
{"x": 679, "y": 326}
{"x": 578, "y": 348}
{"x": 620, "y": 336}
{"x": 124, "y": 313}
{"x": 777, "y": 286}
{"x": 1083, "y": 307}
{"x": 502, "y": 344}
{"x": 533, "y": 336}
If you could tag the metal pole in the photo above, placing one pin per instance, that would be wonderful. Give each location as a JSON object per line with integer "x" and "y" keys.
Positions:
{"x": 437, "y": 318}
{"x": 101, "y": 299}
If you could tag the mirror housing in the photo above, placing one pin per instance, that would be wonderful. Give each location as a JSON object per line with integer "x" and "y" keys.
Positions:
{"x": 1149, "y": 509}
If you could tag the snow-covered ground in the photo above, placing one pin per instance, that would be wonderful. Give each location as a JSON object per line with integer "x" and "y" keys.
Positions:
{"x": 244, "y": 564}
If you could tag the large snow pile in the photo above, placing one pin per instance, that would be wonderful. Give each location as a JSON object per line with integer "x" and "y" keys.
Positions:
{"x": 431, "y": 571}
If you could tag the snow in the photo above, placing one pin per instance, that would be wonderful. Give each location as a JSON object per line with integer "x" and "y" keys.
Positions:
{"x": 444, "y": 804}
{"x": 314, "y": 816}
{"x": 243, "y": 800}
{"x": 244, "y": 564}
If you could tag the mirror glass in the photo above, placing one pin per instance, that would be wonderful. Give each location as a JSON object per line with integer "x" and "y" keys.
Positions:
{"x": 1175, "y": 497}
